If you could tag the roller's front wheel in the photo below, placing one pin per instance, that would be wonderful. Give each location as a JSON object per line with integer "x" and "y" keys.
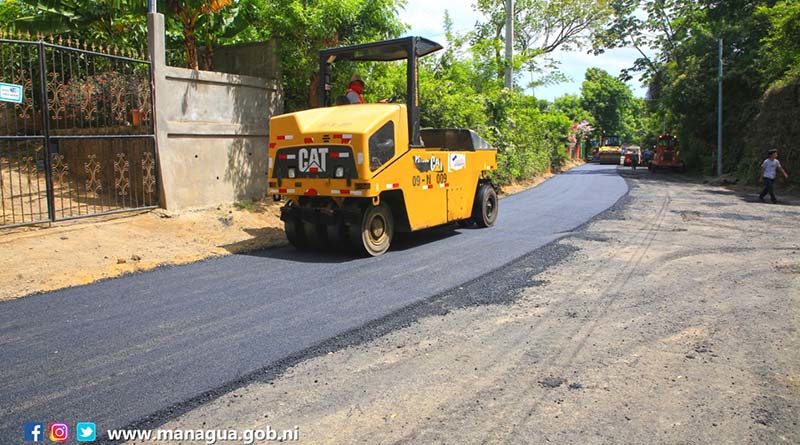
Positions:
{"x": 376, "y": 232}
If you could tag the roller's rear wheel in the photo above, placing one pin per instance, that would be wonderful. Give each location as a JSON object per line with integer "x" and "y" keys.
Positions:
{"x": 337, "y": 236}
{"x": 316, "y": 235}
{"x": 295, "y": 234}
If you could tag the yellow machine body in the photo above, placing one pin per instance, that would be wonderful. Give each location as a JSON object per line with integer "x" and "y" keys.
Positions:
{"x": 368, "y": 144}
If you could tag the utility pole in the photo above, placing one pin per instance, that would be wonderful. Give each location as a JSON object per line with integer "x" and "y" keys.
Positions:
{"x": 719, "y": 114}
{"x": 509, "y": 79}
{"x": 151, "y": 6}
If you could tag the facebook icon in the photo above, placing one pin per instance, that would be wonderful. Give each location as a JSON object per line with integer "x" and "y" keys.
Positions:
{"x": 34, "y": 432}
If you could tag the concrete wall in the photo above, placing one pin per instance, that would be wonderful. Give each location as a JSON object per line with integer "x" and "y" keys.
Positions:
{"x": 257, "y": 59}
{"x": 211, "y": 131}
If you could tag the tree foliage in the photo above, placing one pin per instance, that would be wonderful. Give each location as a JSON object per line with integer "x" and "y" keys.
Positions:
{"x": 540, "y": 28}
{"x": 678, "y": 44}
{"x": 460, "y": 87}
{"x": 609, "y": 101}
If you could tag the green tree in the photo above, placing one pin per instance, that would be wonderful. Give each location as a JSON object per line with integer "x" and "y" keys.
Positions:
{"x": 571, "y": 105}
{"x": 609, "y": 101}
{"x": 118, "y": 22}
{"x": 540, "y": 27}
{"x": 780, "y": 59}
{"x": 189, "y": 13}
{"x": 304, "y": 27}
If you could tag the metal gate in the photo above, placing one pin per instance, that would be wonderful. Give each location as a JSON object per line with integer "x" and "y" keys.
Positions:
{"x": 76, "y": 132}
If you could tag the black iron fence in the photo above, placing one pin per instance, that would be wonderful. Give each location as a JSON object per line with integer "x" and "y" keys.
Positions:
{"x": 76, "y": 132}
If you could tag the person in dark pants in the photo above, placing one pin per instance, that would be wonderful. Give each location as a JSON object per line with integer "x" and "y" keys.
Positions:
{"x": 634, "y": 160}
{"x": 648, "y": 156}
{"x": 769, "y": 170}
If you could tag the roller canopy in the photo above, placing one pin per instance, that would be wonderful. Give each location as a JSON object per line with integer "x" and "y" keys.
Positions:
{"x": 385, "y": 51}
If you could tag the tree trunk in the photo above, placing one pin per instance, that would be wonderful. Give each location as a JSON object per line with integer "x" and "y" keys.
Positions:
{"x": 190, "y": 41}
{"x": 314, "y": 100}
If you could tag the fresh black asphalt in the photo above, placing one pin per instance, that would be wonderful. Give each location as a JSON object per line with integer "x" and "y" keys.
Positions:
{"x": 134, "y": 350}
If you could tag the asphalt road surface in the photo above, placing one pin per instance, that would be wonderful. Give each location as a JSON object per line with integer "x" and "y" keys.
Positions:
{"x": 118, "y": 351}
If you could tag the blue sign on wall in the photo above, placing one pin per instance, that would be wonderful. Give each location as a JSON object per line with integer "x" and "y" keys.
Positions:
{"x": 11, "y": 93}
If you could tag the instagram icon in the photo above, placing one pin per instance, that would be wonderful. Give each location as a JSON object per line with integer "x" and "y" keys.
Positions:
{"x": 59, "y": 432}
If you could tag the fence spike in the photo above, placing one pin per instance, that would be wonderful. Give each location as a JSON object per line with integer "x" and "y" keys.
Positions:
{"x": 27, "y": 35}
{"x": 61, "y": 40}
{"x": 50, "y": 38}
{"x": 85, "y": 46}
{"x": 93, "y": 47}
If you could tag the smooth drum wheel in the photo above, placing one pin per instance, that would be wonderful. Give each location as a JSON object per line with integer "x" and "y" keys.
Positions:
{"x": 294, "y": 233}
{"x": 376, "y": 231}
{"x": 484, "y": 212}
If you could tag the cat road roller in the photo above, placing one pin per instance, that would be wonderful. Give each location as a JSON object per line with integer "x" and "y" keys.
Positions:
{"x": 355, "y": 175}
{"x": 611, "y": 151}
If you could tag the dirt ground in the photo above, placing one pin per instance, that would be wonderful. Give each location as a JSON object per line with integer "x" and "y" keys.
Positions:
{"x": 83, "y": 251}
{"x": 38, "y": 259}
{"x": 672, "y": 319}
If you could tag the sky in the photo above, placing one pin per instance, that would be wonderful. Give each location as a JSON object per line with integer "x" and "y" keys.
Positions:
{"x": 425, "y": 18}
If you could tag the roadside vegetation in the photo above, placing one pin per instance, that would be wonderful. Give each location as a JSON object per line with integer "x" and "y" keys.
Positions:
{"x": 463, "y": 85}
{"x": 678, "y": 41}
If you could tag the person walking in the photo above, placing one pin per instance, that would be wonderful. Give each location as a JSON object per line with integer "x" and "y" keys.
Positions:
{"x": 634, "y": 159}
{"x": 648, "y": 157}
{"x": 769, "y": 170}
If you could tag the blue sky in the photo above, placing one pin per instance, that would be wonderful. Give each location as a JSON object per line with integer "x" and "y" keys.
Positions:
{"x": 425, "y": 18}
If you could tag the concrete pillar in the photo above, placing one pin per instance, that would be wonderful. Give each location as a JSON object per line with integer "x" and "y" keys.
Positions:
{"x": 156, "y": 51}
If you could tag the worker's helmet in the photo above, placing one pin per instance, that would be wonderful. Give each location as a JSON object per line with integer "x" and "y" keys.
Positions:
{"x": 356, "y": 78}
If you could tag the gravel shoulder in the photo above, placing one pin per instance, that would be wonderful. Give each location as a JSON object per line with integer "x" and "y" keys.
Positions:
{"x": 673, "y": 318}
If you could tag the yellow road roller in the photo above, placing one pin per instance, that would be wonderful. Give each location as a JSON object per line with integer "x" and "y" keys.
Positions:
{"x": 355, "y": 175}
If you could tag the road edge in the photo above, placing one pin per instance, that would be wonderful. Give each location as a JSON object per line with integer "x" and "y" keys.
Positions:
{"x": 516, "y": 274}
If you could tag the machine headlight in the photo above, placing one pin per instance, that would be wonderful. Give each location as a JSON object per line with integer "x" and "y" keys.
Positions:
{"x": 339, "y": 172}
{"x": 291, "y": 173}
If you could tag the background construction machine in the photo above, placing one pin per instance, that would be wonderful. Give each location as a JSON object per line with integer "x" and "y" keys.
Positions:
{"x": 611, "y": 150}
{"x": 667, "y": 156}
{"x": 357, "y": 174}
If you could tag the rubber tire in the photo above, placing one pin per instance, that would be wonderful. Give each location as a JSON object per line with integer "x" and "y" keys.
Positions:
{"x": 485, "y": 209}
{"x": 295, "y": 234}
{"x": 316, "y": 235}
{"x": 337, "y": 236}
{"x": 362, "y": 238}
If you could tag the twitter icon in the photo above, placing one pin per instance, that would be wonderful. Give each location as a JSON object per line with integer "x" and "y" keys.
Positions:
{"x": 86, "y": 431}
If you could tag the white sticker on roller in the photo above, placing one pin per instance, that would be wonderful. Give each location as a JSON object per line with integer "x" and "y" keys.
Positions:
{"x": 456, "y": 161}
{"x": 360, "y": 158}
